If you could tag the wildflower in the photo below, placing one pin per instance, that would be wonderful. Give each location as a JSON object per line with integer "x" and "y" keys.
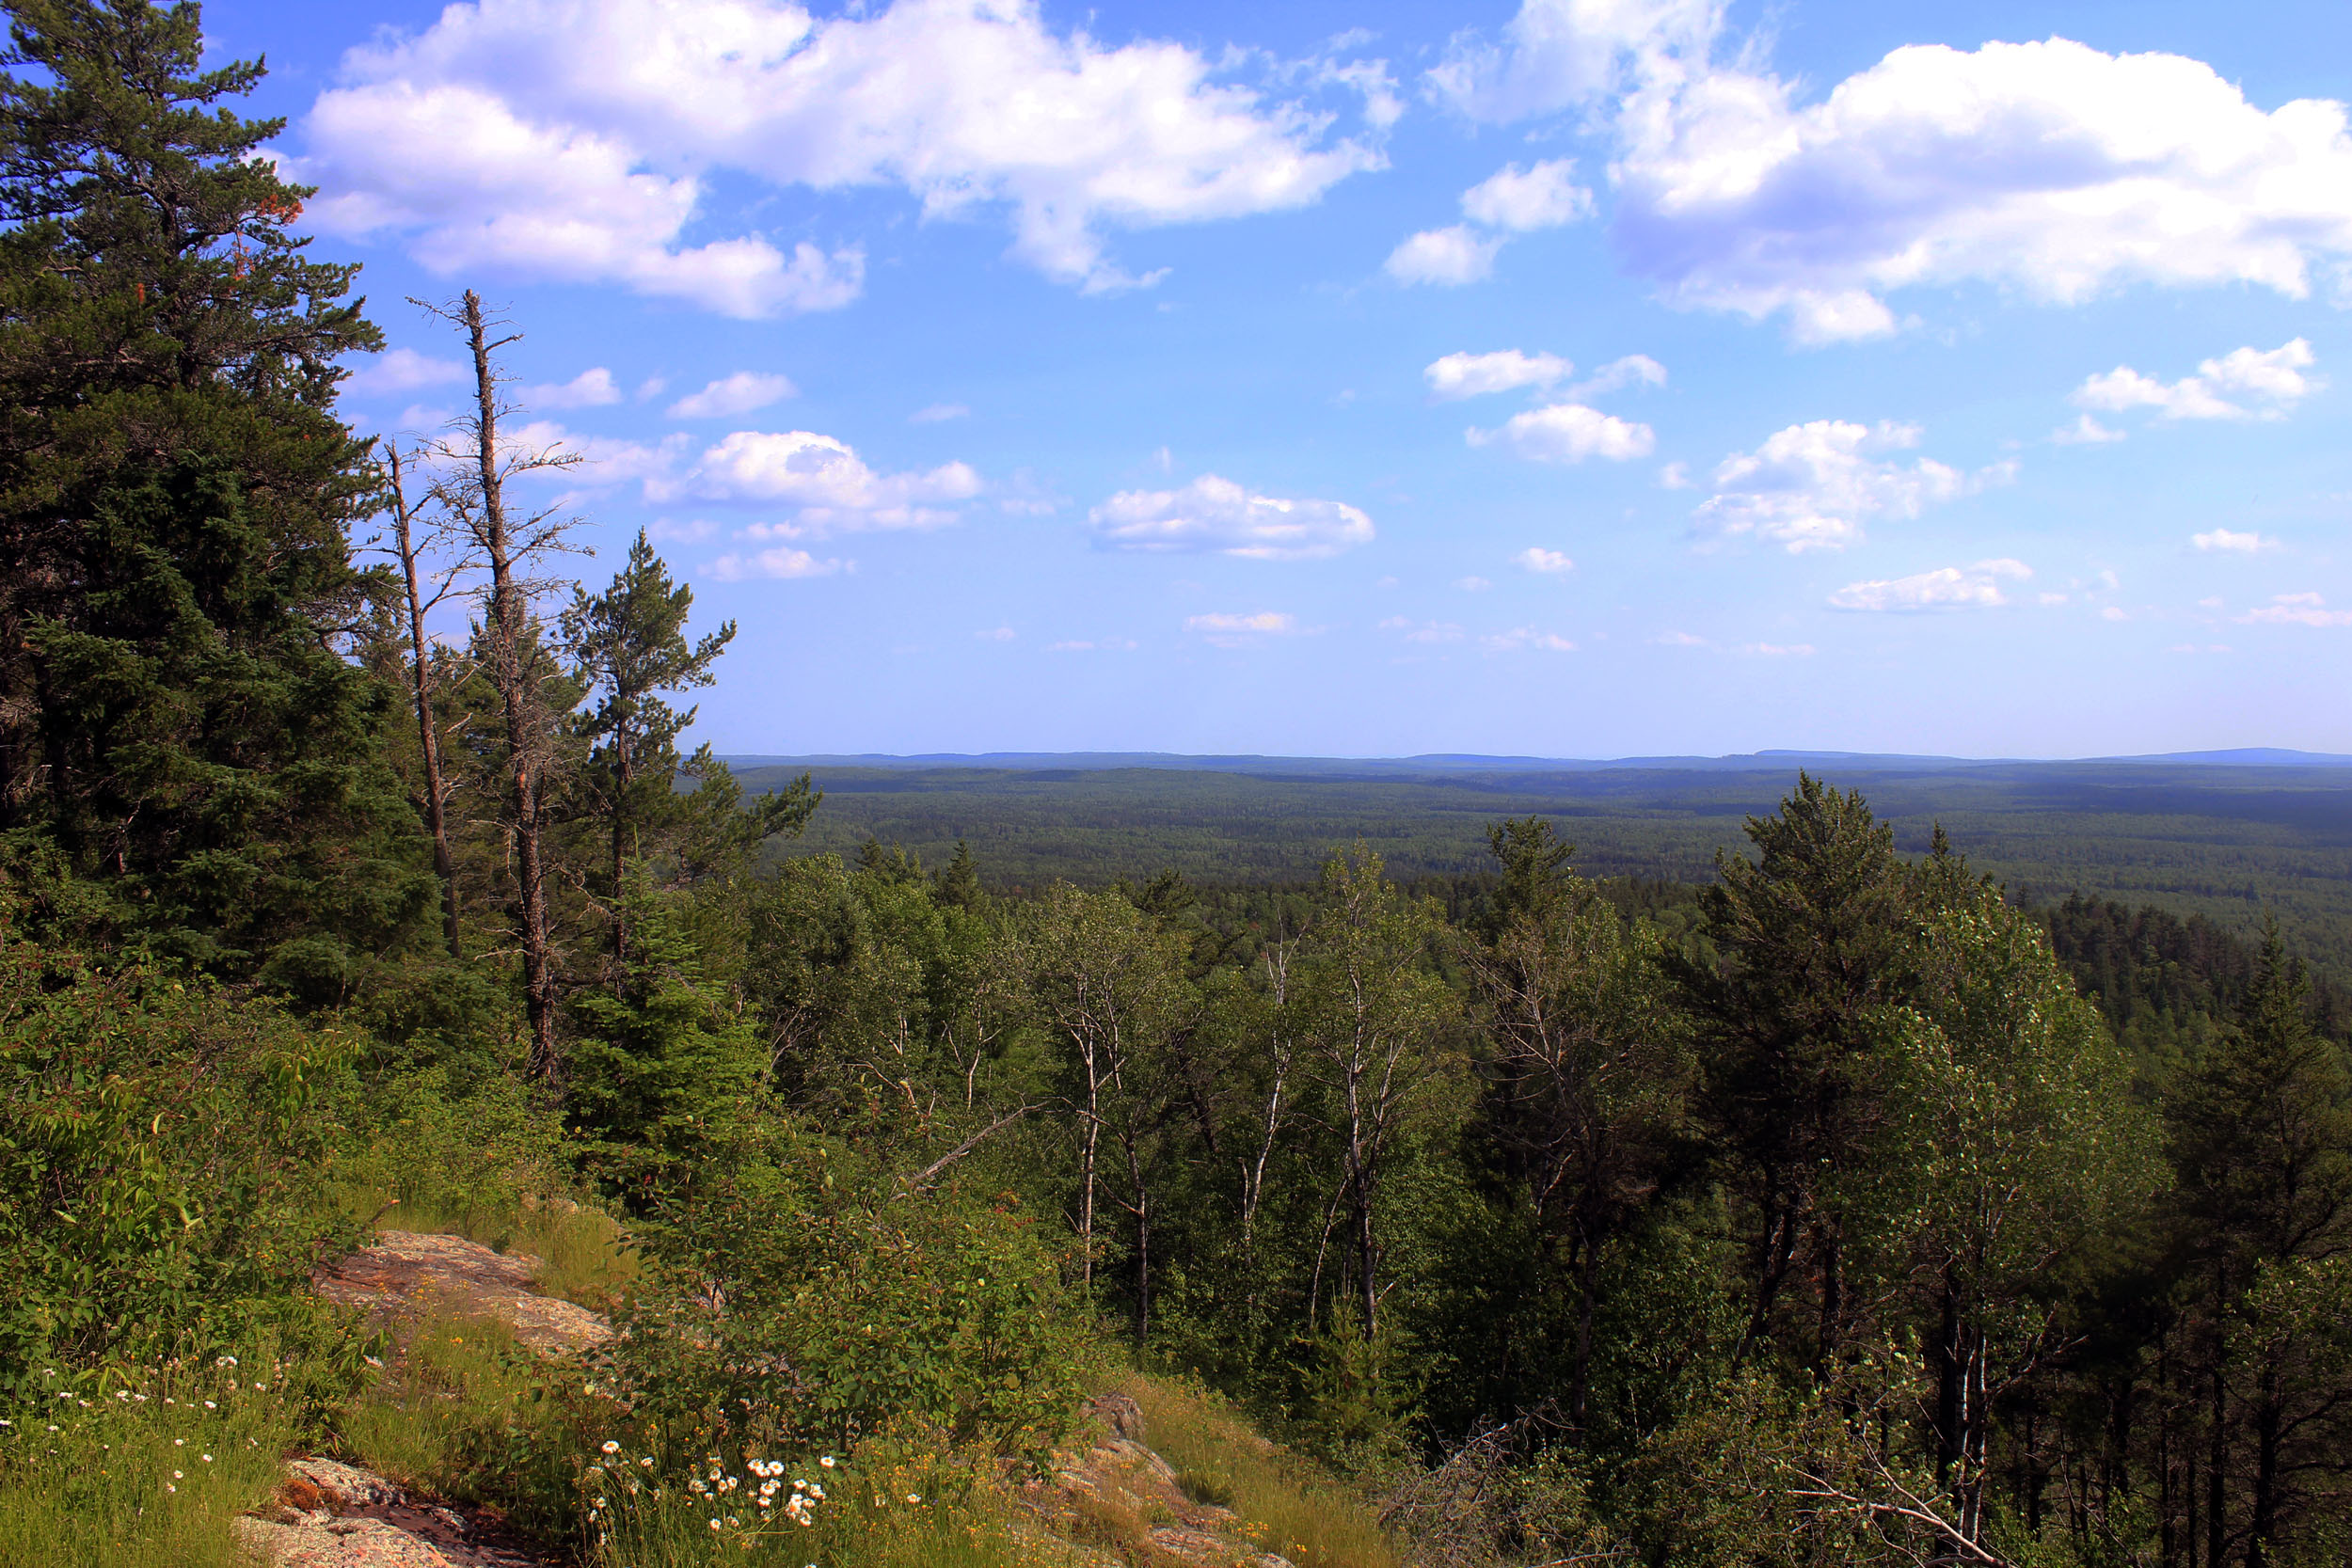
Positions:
{"x": 207, "y": 1458}
{"x": 177, "y": 1442}
{"x": 697, "y": 1485}
{"x": 177, "y": 1476}
{"x": 210, "y": 1405}
{"x": 611, "y": 1447}
{"x": 646, "y": 1462}
{"x": 123, "y": 1393}
{"x": 226, "y": 1361}
{"x": 913, "y": 1498}
{"x": 715, "y": 1525}
{"x": 734, "y": 1523}
{"x": 169, "y": 1487}
{"x": 817, "y": 1493}
{"x": 827, "y": 1463}
{"x": 766, "y": 1501}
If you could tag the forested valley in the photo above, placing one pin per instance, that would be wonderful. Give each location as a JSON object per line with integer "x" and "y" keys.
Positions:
{"x": 1838, "y": 1210}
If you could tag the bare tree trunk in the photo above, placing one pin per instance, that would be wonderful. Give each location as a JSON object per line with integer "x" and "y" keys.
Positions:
{"x": 1253, "y": 1174}
{"x": 1091, "y": 1054}
{"x": 428, "y": 734}
{"x": 508, "y": 610}
{"x": 626, "y": 771}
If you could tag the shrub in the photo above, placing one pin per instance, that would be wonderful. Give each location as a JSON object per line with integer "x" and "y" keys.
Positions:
{"x": 792, "y": 1300}
{"x": 158, "y": 1151}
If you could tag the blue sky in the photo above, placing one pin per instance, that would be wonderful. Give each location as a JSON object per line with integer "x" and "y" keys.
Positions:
{"x": 1581, "y": 378}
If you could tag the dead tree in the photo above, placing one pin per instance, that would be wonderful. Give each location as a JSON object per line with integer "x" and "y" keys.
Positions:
{"x": 474, "y": 471}
{"x": 411, "y": 546}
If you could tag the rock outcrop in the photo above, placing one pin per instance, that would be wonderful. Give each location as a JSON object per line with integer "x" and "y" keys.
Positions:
{"x": 1121, "y": 1499}
{"x": 334, "y": 1515}
{"x": 406, "y": 1274}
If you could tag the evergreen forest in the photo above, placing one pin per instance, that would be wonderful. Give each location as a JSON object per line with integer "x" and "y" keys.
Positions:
{"x": 1825, "y": 1203}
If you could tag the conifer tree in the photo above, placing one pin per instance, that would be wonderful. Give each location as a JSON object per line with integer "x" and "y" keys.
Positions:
{"x": 1808, "y": 932}
{"x": 181, "y": 740}
{"x": 629, "y": 646}
{"x": 2261, "y": 1134}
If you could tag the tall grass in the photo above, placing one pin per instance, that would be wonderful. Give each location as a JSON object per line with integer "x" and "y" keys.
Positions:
{"x": 471, "y": 1414}
{"x": 147, "y": 1469}
{"x": 1288, "y": 1504}
{"x": 902, "y": 1503}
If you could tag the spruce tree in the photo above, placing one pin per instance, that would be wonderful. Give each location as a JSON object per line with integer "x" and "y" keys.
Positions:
{"x": 629, "y": 646}
{"x": 185, "y": 756}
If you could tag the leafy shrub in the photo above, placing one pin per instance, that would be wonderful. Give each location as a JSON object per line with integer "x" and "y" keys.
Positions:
{"x": 792, "y": 1301}
{"x": 158, "y": 1151}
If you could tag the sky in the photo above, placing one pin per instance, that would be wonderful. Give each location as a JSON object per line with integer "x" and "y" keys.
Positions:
{"x": 1568, "y": 378}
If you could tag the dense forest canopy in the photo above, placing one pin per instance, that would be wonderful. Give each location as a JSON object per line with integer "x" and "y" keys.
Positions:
{"x": 1828, "y": 1206}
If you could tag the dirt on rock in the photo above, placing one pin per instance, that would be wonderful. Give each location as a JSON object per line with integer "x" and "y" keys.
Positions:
{"x": 407, "y": 1275}
{"x": 1117, "y": 1497}
{"x": 334, "y": 1515}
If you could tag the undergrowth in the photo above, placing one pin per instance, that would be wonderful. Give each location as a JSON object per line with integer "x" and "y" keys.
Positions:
{"x": 1289, "y": 1505}
{"x": 144, "y": 1467}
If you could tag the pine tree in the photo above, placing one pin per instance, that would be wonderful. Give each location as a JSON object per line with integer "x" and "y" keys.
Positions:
{"x": 184, "y": 753}
{"x": 2261, "y": 1134}
{"x": 1809, "y": 935}
{"x": 629, "y": 646}
{"x": 661, "y": 1063}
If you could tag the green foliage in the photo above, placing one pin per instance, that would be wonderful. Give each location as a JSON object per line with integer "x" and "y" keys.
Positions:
{"x": 183, "y": 757}
{"x": 159, "y": 1150}
{"x": 146, "y": 1468}
{"x": 661, "y": 1067}
{"x": 473, "y": 1416}
{"x": 794, "y": 1301}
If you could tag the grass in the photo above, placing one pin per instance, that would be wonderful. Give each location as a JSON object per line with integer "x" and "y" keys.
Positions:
{"x": 584, "y": 1252}
{"x": 1289, "y": 1505}
{"x": 143, "y": 1470}
{"x": 902, "y": 1503}
{"x": 471, "y": 1414}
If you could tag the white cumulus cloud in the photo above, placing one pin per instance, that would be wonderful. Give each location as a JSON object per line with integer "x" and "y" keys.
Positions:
{"x": 1976, "y": 586}
{"x": 1536, "y": 559}
{"x": 1526, "y": 637}
{"x": 2049, "y": 168}
{"x": 1447, "y": 257}
{"x": 824, "y": 484}
{"x": 2229, "y": 539}
{"x": 2221, "y": 389}
{"x": 592, "y": 389}
{"x": 581, "y": 139}
{"x": 1512, "y": 200}
{"x": 780, "y": 561}
{"x": 2297, "y": 610}
{"x": 404, "y": 369}
{"x": 1215, "y": 514}
{"x": 1569, "y": 432}
{"x": 1239, "y": 630}
{"x": 1470, "y": 375}
{"x": 1522, "y": 199}
{"x": 739, "y": 394}
{"x": 1422, "y": 631}
{"x": 1815, "y": 485}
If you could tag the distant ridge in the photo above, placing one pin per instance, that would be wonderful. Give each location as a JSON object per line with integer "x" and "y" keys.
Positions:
{"x": 1465, "y": 762}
